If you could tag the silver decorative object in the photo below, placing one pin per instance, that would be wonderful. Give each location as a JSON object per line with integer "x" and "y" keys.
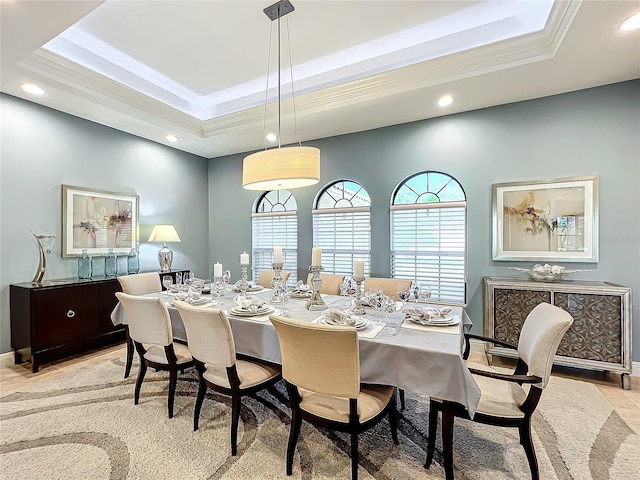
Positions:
{"x": 276, "y": 283}
{"x": 45, "y": 244}
{"x": 315, "y": 302}
{"x": 357, "y": 308}
{"x": 244, "y": 285}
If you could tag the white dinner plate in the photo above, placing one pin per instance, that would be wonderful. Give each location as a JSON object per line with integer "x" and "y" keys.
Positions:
{"x": 241, "y": 312}
{"x": 255, "y": 288}
{"x": 438, "y": 322}
{"x": 361, "y": 323}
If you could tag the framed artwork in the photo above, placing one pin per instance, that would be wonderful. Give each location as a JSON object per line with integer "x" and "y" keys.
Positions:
{"x": 97, "y": 220}
{"x": 546, "y": 220}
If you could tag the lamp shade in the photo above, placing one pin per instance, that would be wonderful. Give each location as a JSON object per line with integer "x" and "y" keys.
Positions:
{"x": 164, "y": 233}
{"x": 281, "y": 168}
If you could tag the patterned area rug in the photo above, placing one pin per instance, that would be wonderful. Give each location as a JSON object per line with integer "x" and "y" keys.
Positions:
{"x": 85, "y": 426}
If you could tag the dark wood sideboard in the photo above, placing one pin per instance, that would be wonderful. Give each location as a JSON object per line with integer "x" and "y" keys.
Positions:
{"x": 61, "y": 318}
{"x": 600, "y": 337}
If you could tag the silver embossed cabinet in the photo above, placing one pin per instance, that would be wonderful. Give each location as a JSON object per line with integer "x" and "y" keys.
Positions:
{"x": 600, "y": 337}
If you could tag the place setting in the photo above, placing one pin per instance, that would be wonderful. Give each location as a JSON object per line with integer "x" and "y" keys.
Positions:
{"x": 251, "y": 307}
{"x": 431, "y": 319}
{"x": 301, "y": 290}
{"x": 337, "y": 317}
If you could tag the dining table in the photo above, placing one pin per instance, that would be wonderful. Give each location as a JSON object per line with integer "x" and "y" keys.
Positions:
{"x": 425, "y": 359}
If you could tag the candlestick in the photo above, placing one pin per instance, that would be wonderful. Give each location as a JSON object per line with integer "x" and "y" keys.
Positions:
{"x": 316, "y": 256}
{"x": 244, "y": 285}
{"x": 217, "y": 270}
{"x": 276, "y": 283}
{"x": 358, "y": 268}
{"x": 277, "y": 254}
{"x": 357, "y": 309}
{"x": 315, "y": 302}
{"x": 244, "y": 258}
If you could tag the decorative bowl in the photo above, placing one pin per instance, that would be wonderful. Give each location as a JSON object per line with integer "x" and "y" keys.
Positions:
{"x": 546, "y": 272}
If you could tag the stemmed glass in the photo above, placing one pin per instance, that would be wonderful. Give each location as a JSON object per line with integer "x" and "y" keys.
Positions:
{"x": 178, "y": 278}
{"x": 425, "y": 293}
{"x": 346, "y": 288}
{"x": 389, "y": 306}
{"x": 226, "y": 278}
{"x": 415, "y": 291}
{"x": 376, "y": 300}
{"x": 285, "y": 295}
{"x": 403, "y": 294}
{"x": 167, "y": 282}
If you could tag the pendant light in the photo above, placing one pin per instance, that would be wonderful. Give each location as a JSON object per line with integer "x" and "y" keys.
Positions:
{"x": 282, "y": 167}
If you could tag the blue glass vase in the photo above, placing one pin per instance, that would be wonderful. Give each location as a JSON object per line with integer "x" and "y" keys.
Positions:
{"x": 85, "y": 265}
{"x": 133, "y": 263}
{"x": 110, "y": 264}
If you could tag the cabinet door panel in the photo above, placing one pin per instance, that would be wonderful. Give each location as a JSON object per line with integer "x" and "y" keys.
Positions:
{"x": 64, "y": 316}
{"x": 511, "y": 308}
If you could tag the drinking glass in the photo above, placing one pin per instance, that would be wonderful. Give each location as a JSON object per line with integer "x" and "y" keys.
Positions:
{"x": 179, "y": 278}
{"x": 376, "y": 300}
{"x": 415, "y": 291}
{"x": 226, "y": 278}
{"x": 345, "y": 289}
{"x": 285, "y": 295}
{"x": 403, "y": 294}
{"x": 425, "y": 293}
{"x": 390, "y": 307}
{"x": 167, "y": 282}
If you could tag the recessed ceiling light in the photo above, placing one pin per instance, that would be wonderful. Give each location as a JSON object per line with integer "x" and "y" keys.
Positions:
{"x": 171, "y": 138}
{"x": 32, "y": 88}
{"x": 631, "y": 23}
{"x": 445, "y": 101}
{"x": 271, "y": 137}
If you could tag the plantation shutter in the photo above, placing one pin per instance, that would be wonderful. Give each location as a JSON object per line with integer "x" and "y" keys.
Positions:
{"x": 269, "y": 230}
{"x": 428, "y": 244}
{"x": 344, "y": 235}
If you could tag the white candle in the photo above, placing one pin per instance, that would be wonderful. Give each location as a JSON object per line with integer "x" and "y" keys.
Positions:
{"x": 277, "y": 254}
{"x": 244, "y": 258}
{"x": 316, "y": 256}
{"x": 358, "y": 268}
{"x": 217, "y": 269}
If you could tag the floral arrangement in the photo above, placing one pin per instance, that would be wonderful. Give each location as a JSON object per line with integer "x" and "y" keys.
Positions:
{"x": 546, "y": 272}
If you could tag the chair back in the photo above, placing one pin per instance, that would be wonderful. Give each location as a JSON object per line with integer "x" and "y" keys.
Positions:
{"x": 265, "y": 276}
{"x": 320, "y": 358}
{"x": 330, "y": 283}
{"x": 389, "y": 286}
{"x": 140, "y": 283}
{"x": 148, "y": 319}
{"x": 540, "y": 336}
{"x": 209, "y": 335}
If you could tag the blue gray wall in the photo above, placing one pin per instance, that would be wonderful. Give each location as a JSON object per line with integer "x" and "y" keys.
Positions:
{"x": 589, "y": 132}
{"x": 42, "y": 149}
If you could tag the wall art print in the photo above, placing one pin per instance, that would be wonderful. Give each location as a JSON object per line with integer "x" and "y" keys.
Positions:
{"x": 546, "y": 220}
{"x": 98, "y": 220}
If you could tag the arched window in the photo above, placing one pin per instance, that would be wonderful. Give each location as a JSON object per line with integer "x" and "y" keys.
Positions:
{"x": 428, "y": 232}
{"x": 275, "y": 222}
{"x": 342, "y": 226}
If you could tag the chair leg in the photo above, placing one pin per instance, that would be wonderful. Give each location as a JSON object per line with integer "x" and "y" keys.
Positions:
{"x": 433, "y": 428}
{"x": 401, "y": 392}
{"x": 527, "y": 443}
{"x": 141, "y": 373}
{"x": 173, "y": 380}
{"x": 354, "y": 455}
{"x": 447, "y": 440}
{"x": 235, "y": 416}
{"x": 130, "y": 348}
{"x": 202, "y": 390}
{"x": 296, "y": 423}
{"x": 393, "y": 420}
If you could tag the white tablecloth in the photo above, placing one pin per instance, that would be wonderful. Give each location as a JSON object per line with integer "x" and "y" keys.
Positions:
{"x": 426, "y": 361}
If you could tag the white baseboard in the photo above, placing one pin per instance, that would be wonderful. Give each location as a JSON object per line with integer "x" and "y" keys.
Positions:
{"x": 478, "y": 347}
{"x": 6, "y": 359}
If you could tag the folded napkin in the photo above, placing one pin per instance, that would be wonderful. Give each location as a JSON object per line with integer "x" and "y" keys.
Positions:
{"x": 338, "y": 317}
{"x": 422, "y": 313}
{"x": 301, "y": 287}
{"x": 248, "y": 301}
{"x": 250, "y": 284}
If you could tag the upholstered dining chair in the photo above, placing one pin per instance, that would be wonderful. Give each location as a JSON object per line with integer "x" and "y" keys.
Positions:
{"x": 388, "y": 285}
{"x": 137, "y": 284}
{"x": 265, "y": 276}
{"x": 507, "y": 400}
{"x": 210, "y": 341}
{"x": 321, "y": 369}
{"x": 330, "y": 283}
{"x": 150, "y": 330}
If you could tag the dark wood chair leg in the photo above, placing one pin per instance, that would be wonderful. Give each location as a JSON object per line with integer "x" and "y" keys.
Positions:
{"x": 433, "y": 428}
{"x": 130, "y": 348}
{"x": 202, "y": 390}
{"x": 401, "y": 392}
{"x": 354, "y": 455}
{"x": 141, "y": 373}
{"x": 448, "y": 419}
{"x": 235, "y": 416}
{"x": 296, "y": 423}
{"x": 393, "y": 420}
{"x": 173, "y": 380}
{"x": 527, "y": 443}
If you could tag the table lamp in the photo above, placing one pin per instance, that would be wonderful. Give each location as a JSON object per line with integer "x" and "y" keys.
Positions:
{"x": 164, "y": 233}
